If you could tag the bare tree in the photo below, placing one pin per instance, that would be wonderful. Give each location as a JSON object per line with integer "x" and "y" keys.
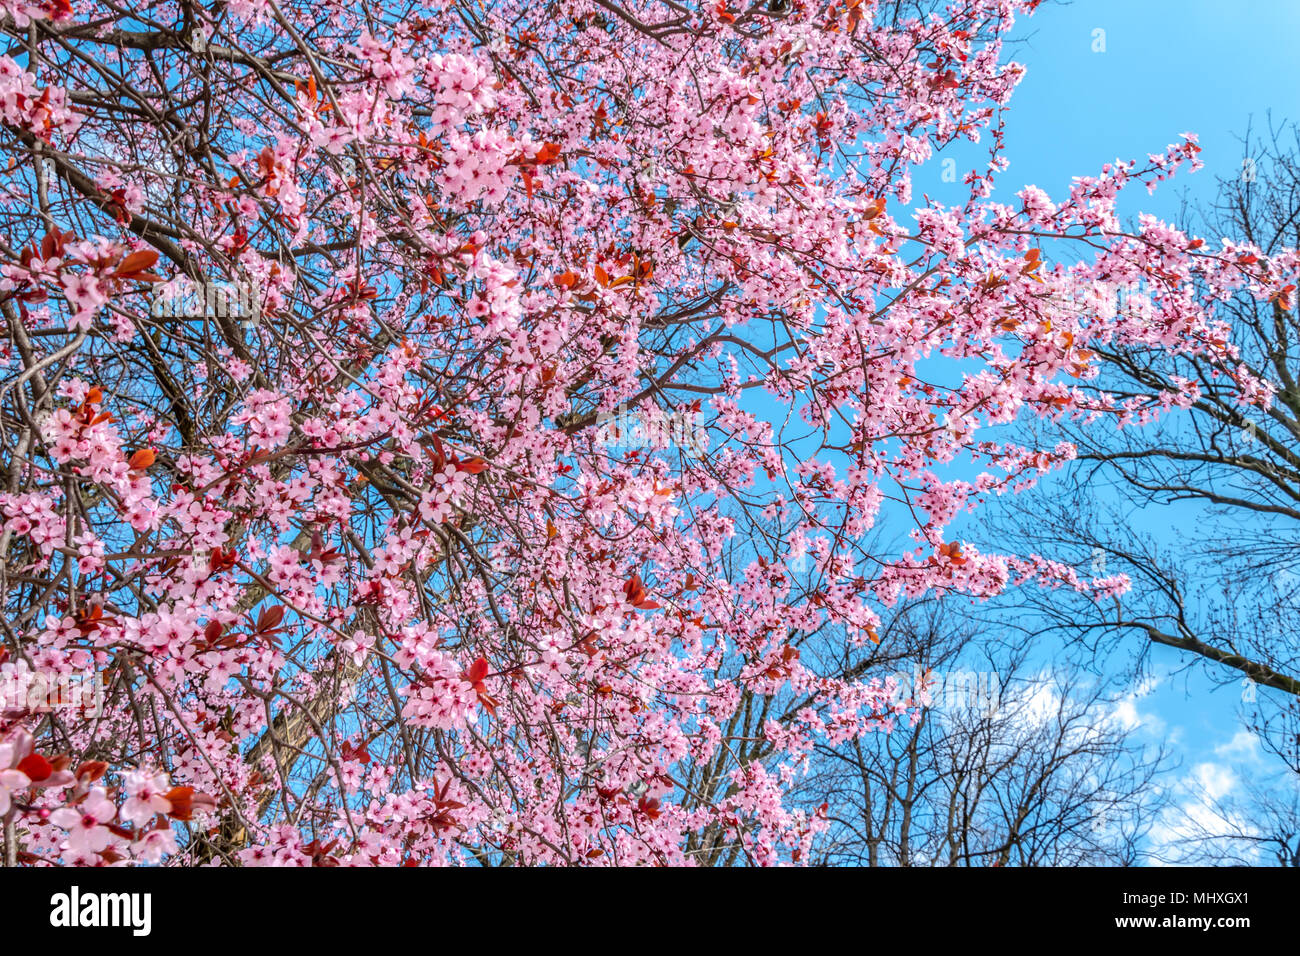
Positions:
{"x": 1201, "y": 511}
{"x": 1008, "y": 765}
{"x": 1257, "y": 823}
{"x": 1202, "y": 508}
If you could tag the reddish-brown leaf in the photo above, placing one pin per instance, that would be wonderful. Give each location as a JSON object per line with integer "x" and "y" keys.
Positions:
{"x": 142, "y": 459}
{"x": 136, "y": 262}
{"x": 270, "y": 618}
{"x": 548, "y": 154}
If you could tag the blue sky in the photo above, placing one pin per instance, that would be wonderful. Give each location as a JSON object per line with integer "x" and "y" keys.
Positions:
{"x": 1167, "y": 67}
{"x": 1110, "y": 79}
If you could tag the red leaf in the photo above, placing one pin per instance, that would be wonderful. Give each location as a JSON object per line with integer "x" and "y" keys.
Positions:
{"x": 477, "y": 671}
{"x": 36, "y": 767}
{"x": 221, "y": 560}
{"x": 185, "y": 801}
{"x": 136, "y": 262}
{"x": 635, "y": 592}
{"x": 952, "y": 551}
{"x": 142, "y": 459}
{"x": 548, "y": 154}
{"x": 91, "y": 771}
{"x": 270, "y": 618}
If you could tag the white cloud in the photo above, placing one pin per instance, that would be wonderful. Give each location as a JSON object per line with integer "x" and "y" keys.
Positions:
{"x": 1243, "y": 747}
{"x": 1129, "y": 716}
{"x": 1217, "y": 780}
{"x": 1202, "y": 810}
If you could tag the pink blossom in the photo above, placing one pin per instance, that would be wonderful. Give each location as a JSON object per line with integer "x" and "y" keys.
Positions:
{"x": 85, "y": 822}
